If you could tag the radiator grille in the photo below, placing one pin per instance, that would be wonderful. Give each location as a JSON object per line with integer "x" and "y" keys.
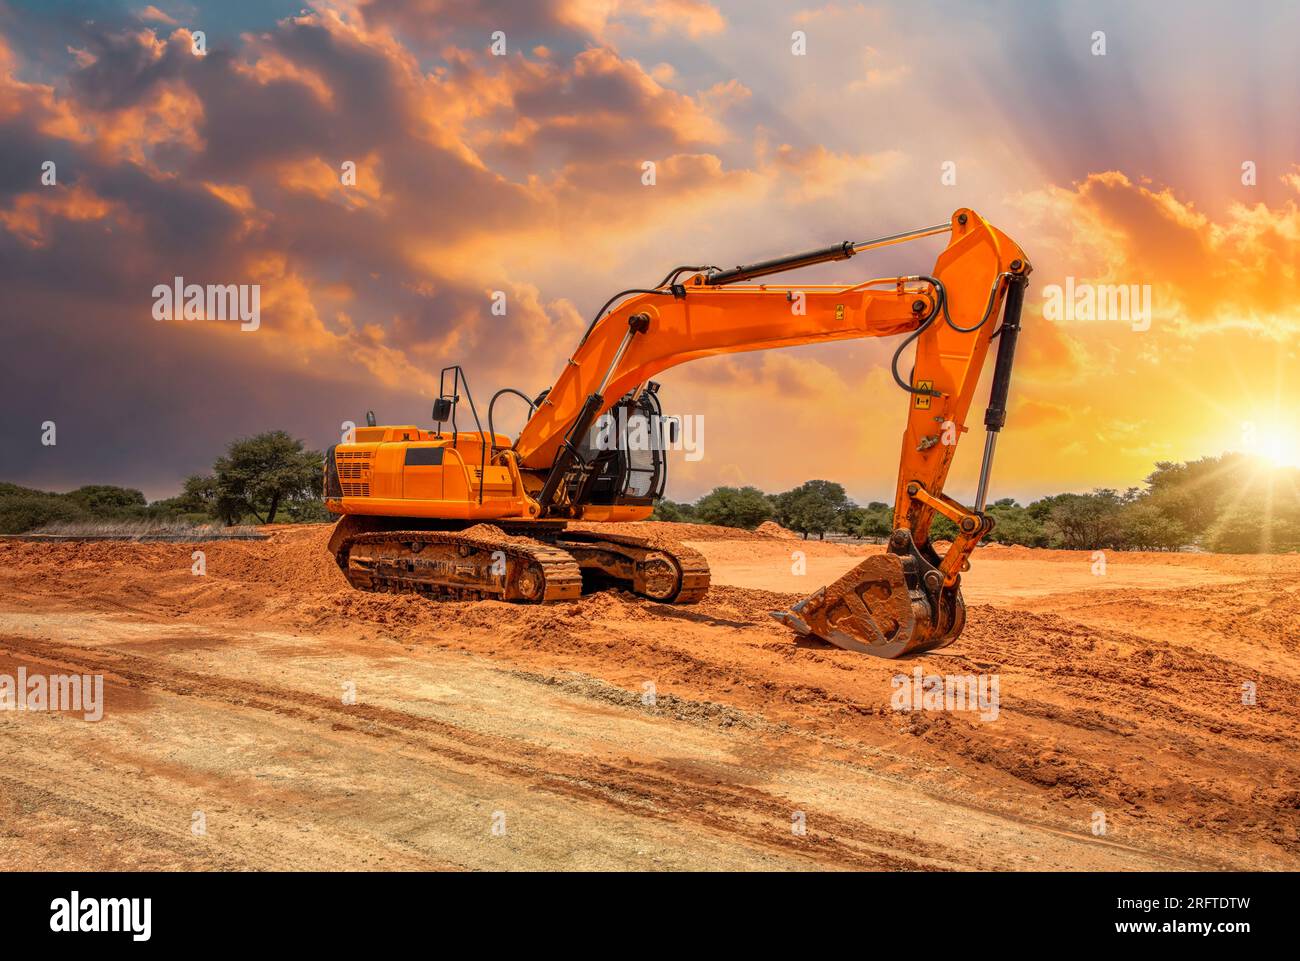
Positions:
{"x": 354, "y": 472}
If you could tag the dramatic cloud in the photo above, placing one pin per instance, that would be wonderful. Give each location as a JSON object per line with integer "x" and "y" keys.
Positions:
{"x": 382, "y": 175}
{"x": 1239, "y": 271}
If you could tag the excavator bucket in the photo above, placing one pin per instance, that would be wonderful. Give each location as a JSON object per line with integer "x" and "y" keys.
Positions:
{"x": 882, "y": 608}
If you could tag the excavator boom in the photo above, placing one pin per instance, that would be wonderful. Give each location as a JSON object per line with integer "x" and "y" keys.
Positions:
{"x": 901, "y": 602}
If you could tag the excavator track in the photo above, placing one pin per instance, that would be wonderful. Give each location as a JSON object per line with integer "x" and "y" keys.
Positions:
{"x": 653, "y": 568}
{"x": 511, "y": 565}
{"x": 455, "y": 566}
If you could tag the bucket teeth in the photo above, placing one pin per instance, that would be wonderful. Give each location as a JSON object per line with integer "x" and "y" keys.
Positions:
{"x": 792, "y": 618}
{"x": 872, "y": 610}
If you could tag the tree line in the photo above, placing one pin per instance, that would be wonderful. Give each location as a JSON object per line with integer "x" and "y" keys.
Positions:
{"x": 262, "y": 479}
{"x": 1232, "y": 503}
{"x": 1229, "y": 504}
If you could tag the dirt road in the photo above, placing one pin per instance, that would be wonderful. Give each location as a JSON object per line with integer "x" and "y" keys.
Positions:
{"x": 265, "y": 716}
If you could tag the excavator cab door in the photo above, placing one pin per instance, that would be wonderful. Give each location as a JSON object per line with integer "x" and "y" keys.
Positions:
{"x": 623, "y": 457}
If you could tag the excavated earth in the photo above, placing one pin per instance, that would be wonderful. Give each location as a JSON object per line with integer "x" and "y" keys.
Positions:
{"x": 265, "y": 716}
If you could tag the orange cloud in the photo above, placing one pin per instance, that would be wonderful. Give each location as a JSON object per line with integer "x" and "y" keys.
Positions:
{"x": 153, "y": 13}
{"x": 314, "y": 176}
{"x": 1235, "y": 273}
{"x": 815, "y": 173}
{"x": 30, "y": 214}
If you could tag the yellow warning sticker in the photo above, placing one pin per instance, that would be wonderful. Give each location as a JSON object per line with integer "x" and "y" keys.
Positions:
{"x": 839, "y": 311}
{"x": 922, "y": 401}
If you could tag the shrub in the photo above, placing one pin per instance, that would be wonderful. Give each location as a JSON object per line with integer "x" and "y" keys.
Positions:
{"x": 23, "y": 512}
{"x": 745, "y": 507}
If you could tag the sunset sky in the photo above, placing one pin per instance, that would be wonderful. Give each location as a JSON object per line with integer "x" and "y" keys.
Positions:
{"x": 522, "y": 173}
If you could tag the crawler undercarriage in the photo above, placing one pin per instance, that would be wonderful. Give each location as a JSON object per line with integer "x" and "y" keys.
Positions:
{"x": 532, "y": 562}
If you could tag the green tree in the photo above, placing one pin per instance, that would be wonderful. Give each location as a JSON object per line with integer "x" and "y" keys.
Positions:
{"x": 1015, "y": 525}
{"x": 666, "y": 510}
{"x": 849, "y": 520}
{"x": 1144, "y": 526}
{"x": 813, "y": 507}
{"x": 23, "y": 512}
{"x": 1084, "y": 521}
{"x": 258, "y": 475}
{"x": 105, "y": 500}
{"x": 1233, "y": 503}
{"x": 1195, "y": 493}
{"x": 877, "y": 520}
{"x": 198, "y": 494}
{"x": 1246, "y": 529}
{"x": 734, "y": 507}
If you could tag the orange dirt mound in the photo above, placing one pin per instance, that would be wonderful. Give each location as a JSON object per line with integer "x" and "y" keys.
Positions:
{"x": 773, "y": 529}
{"x": 670, "y": 531}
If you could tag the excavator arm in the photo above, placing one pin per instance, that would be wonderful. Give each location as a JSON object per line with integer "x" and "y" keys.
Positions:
{"x": 909, "y": 599}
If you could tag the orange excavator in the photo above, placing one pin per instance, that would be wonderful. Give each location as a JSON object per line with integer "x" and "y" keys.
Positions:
{"x": 471, "y": 514}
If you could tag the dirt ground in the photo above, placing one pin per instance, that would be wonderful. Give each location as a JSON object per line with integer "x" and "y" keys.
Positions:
{"x": 494, "y": 736}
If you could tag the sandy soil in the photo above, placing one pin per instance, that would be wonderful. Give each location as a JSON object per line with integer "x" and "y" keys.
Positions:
{"x": 499, "y": 736}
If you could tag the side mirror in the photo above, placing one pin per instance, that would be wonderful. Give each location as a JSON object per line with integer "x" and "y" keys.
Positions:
{"x": 672, "y": 429}
{"x": 370, "y": 418}
{"x": 442, "y": 410}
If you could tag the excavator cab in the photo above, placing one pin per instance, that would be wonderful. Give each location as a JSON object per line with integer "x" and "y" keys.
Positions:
{"x": 622, "y": 458}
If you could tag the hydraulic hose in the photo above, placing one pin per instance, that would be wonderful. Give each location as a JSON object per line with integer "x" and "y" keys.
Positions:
{"x": 622, "y": 293}
{"x": 676, "y": 271}
{"x": 988, "y": 307}
{"x": 492, "y": 403}
{"x": 941, "y": 304}
{"x": 925, "y": 324}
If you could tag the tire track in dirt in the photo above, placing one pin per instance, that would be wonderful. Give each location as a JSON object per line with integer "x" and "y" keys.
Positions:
{"x": 1084, "y": 691}
{"x": 645, "y": 790}
{"x": 1117, "y": 699}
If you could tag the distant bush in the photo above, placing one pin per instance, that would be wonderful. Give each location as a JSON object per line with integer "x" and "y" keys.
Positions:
{"x": 814, "y": 507}
{"x": 877, "y": 520}
{"x": 105, "y": 500}
{"x": 1015, "y": 525}
{"x": 20, "y": 513}
{"x": 745, "y": 507}
{"x": 1231, "y": 504}
{"x": 1243, "y": 531}
{"x": 307, "y": 510}
{"x": 1144, "y": 527}
{"x": 666, "y": 510}
{"x": 23, "y": 509}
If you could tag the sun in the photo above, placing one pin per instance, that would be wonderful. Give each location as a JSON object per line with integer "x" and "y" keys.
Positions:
{"x": 1276, "y": 442}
